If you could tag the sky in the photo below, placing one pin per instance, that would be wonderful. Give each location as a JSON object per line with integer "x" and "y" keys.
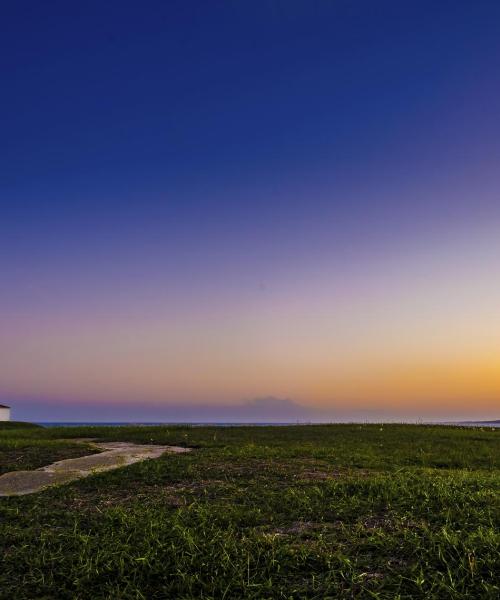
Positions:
{"x": 250, "y": 210}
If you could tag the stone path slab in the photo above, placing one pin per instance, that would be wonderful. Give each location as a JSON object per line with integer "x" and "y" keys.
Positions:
{"x": 114, "y": 456}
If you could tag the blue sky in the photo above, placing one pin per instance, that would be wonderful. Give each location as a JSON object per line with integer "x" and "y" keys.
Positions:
{"x": 183, "y": 185}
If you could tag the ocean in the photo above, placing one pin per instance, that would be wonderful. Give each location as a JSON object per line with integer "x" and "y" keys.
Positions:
{"x": 490, "y": 424}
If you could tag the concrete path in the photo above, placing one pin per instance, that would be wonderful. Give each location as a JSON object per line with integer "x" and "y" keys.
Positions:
{"x": 114, "y": 456}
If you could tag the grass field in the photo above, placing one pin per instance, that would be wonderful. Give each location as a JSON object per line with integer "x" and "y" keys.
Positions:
{"x": 340, "y": 511}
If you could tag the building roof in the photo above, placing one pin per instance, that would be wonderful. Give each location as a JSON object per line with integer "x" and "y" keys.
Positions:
{"x": 4, "y": 406}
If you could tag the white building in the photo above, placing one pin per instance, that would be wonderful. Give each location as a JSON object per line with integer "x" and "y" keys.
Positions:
{"x": 4, "y": 412}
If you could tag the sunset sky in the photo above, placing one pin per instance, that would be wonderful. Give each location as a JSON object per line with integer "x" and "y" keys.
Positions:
{"x": 250, "y": 210}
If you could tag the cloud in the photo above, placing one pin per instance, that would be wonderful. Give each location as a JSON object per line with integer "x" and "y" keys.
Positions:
{"x": 275, "y": 408}
{"x": 268, "y": 409}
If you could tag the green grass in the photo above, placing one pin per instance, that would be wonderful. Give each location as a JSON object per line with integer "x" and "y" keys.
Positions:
{"x": 18, "y": 425}
{"x": 341, "y": 511}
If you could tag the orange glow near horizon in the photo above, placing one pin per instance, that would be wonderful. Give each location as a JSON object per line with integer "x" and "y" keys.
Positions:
{"x": 410, "y": 342}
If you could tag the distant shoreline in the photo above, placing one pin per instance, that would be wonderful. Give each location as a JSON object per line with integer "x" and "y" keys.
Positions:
{"x": 495, "y": 423}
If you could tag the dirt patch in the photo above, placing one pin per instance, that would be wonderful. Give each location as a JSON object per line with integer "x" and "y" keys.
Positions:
{"x": 318, "y": 475}
{"x": 299, "y": 528}
{"x": 388, "y": 522}
{"x": 306, "y": 528}
{"x": 102, "y": 499}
